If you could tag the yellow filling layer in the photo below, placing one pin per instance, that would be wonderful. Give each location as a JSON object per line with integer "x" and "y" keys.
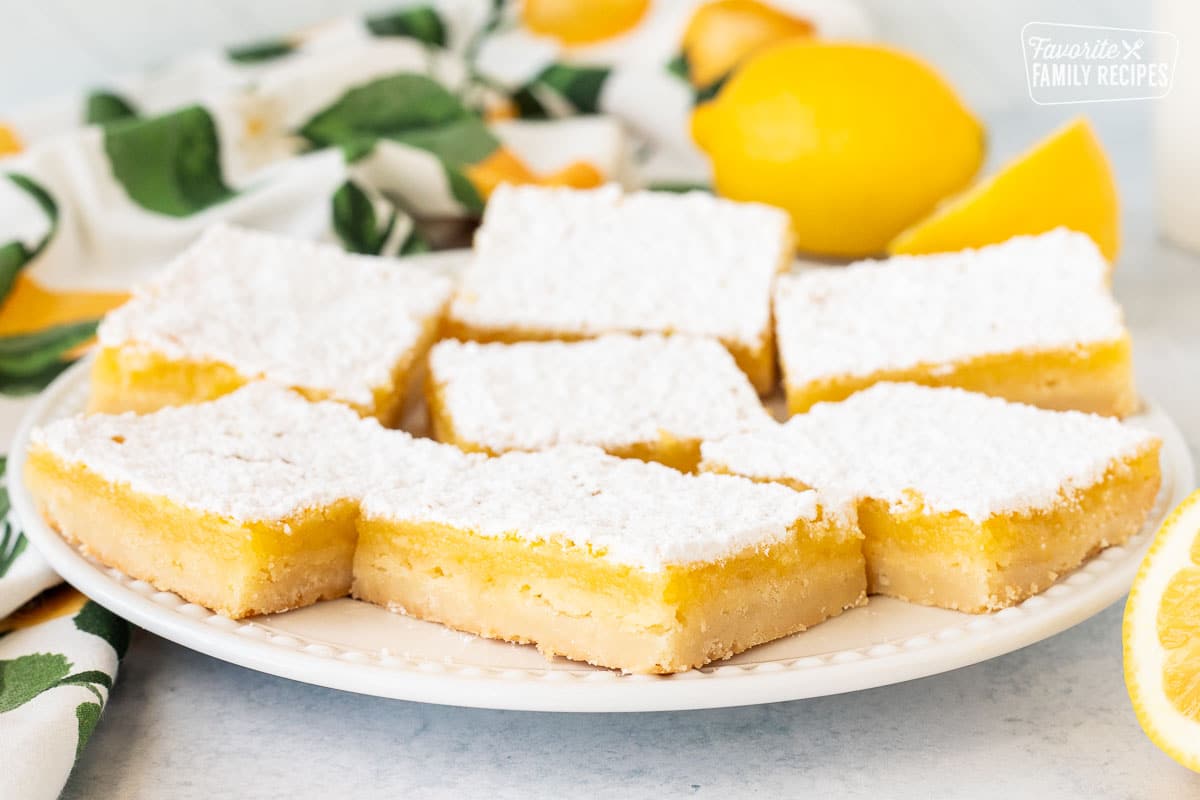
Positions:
{"x": 236, "y": 568}
{"x": 951, "y": 561}
{"x": 571, "y": 601}
{"x": 1096, "y": 378}
{"x": 131, "y": 378}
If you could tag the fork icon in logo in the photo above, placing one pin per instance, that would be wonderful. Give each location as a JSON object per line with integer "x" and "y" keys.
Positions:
{"x": 1132, "y": 49}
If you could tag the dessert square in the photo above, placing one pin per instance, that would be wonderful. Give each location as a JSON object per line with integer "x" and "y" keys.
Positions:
{"x": 555, "y": 263}
{"x": 650, "y": 397}
{"x": 621, "y": 563}
{"x": 1030, "y": 320}
{"x": 240, "y": 306}
{"x": 966, "y": 501}
{"x": 246, "y": 505}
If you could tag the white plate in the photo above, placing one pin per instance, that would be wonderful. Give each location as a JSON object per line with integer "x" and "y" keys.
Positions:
{"x": 358, "y": 647}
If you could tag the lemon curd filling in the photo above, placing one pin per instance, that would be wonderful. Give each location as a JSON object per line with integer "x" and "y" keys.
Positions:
{"x": 619, "y": 563}
{"x": 572, "y": 601}
{"x": 246, "y": 504}
{"x": 964, "y": 501}
{"x": 133, "y": 378}
{"x": 649, "y": 397}
{"x": 234, "y": 567}
{"x": 1031, "y": 320}
{"x": 949, "y": 560}
{"x": 1096, "y": 378}
{"x": 241, "y": 306}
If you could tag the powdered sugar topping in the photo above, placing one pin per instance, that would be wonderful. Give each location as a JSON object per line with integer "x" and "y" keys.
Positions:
{"x": 613, "y": 391}
{"x": 294, "y": 312}
{"x": 633, "y": 512}
{"x": 588, "y": 262}
{"x": 958, "y": 450}
{"x": 1029, "y": 293}
{"x": 261, "y": 453}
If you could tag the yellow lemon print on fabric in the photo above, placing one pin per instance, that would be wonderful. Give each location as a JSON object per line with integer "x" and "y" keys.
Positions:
{"x": 722, "y": 33}
{"x": 503, "y": 166}
{"x": 30, "y": 307}
{"x": 10, "y": 143}
{"x": 577, "y": 22}
{"x": 51, "y": 604}
{"x": 856, "y": 142}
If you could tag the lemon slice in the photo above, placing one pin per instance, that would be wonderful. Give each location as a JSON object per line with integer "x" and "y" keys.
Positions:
{"x": 1162, "y": 637}
{"x": 1062, "y": 181}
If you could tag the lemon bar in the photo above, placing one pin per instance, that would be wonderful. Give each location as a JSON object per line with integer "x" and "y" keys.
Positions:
{"x": 966, "y": 501}
{"x": 555, "y": 263}
{"x": 650, "y": 397}
{"x": 1030, "y": 320}
{"x": 246, "y": 505}
{"x": 240, "y": 306}
{"x": 618, "y": 562}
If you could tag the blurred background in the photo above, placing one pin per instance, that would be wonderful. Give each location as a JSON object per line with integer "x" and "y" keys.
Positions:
{"x": 58, "y": 45}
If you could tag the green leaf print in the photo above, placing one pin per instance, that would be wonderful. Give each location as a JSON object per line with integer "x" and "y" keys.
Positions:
{"x": 89, "y": 679}
{"x": 463, "y": 190}
{"x": 465, "y": 141}
{"x": 679, "y": 67}
{"x": 97, "y": 620}
{"x": 407, "y": 108}
{"x": 581, "y": 86}
{"x": 25, "y": 677}
{"x": 707, "y": 93}
{"x": 28, "y": 361}
{"x": 88, "y": 715}
{"x": 14, "y": 256}
{"x": 421, "y": 23}
{"x": 12, "y": 544}
{"x": 415, "y": 243}
{"x": 105, "y": 107}
{"x": 169, "y": 164}
{"x": 679, "y": 187}
{"x": 528, "y": 105}
{"x": 257, "y": 52}
{"x": 355, "y": 223}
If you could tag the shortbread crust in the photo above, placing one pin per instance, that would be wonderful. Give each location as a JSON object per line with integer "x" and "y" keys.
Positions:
{"x": 966, "y": 501}
{"x": 554, "y": 263}
{"x": 651, "y": 397}
{"x": 1031, "y": 320}
{"x": 240, "y": 305}
{"x": 621, "y": 563}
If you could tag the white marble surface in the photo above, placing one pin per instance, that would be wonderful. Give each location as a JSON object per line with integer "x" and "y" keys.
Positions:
{"x": 1050, "y": 721}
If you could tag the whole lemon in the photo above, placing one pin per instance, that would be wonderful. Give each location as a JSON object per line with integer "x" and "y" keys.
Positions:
{"x": 856, "y": 142}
